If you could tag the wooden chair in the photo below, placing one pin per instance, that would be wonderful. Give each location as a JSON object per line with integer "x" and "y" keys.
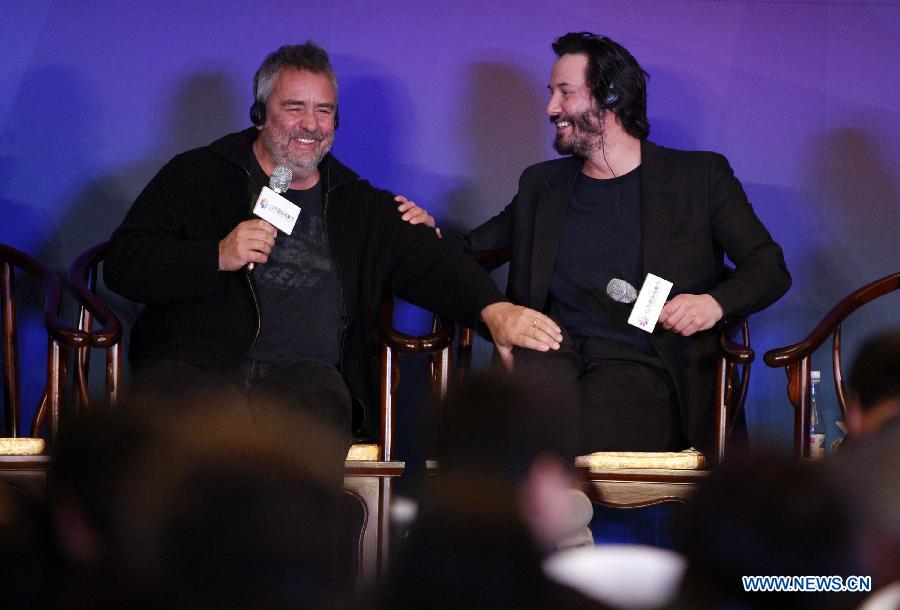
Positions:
{"x": 636, "y": 480}
{"x": 23, "y": 460}
{"x": 371, "y": 468}
{"x": 796, "y": 358}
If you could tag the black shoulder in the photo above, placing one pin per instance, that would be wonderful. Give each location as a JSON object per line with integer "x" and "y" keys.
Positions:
{"x": 691, "y": 158}
{"x": 545, "y": 170}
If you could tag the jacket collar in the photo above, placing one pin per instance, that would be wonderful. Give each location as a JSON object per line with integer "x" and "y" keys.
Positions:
{"x": 550, "y": 215}
{"x": 236, "y": 148}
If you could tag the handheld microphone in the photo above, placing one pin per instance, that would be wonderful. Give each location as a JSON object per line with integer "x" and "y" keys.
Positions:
{"x": 281, "y": 178}
{"x": 621, "y": 291}
{"x": 279, "y": 182}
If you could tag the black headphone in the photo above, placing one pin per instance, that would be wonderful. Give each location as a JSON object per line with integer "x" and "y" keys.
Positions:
{"x": 258, "y": 114}
{"x": 612, "y": 95}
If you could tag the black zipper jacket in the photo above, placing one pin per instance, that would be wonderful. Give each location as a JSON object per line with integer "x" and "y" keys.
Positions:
{"x": 165, "y": 254}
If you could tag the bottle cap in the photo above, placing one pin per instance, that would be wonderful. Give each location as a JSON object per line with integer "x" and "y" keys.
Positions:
{"x": 815, "y": 376}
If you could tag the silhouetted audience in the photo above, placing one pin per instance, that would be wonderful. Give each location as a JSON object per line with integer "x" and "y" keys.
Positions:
{"x": 26, "y": 553}
{"x": 874, "y": 384}
{"x": 201, "y": 508}
{"x": 760, "y": 515}
{"x": 868, "y": 467}
{"x": 501, "y": 501}
{"x": 197, "y": 511}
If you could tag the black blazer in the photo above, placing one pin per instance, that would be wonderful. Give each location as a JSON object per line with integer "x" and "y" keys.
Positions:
{"x": 694, "y": 211}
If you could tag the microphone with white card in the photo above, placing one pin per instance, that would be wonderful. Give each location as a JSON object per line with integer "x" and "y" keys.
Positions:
{"x": 648, "y": 303}
{"x": 272, "y": 207}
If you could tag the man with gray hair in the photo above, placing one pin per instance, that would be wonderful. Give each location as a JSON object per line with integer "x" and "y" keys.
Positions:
{"x": 236, "y": 308}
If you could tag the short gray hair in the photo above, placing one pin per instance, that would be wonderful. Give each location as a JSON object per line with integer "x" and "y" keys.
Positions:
{"x": 308, "y": 57}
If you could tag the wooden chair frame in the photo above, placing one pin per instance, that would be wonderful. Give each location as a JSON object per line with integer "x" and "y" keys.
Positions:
{"x": 371, "y": 481}
{"x": 28, "y": 472}
{"x": 796, "y": 358}
{"x": 83, "y": 276}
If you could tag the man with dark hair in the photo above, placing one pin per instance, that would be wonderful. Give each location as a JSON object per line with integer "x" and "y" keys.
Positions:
{"x": 866, "y": 467}
{"x": 236, "y": 309}
{"x": 874, "y": 381}
{"x": 619, "y": 206}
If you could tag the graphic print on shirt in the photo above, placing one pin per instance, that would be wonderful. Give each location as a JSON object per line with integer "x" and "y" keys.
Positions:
{"x": 301, "y": 260}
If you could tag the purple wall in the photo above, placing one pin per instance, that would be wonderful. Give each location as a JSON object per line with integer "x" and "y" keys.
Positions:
{"x": 446, "y": 105}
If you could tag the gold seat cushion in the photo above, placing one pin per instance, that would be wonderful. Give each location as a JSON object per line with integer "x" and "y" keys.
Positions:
{"x": 363, "y": 452}
{"x": 21, "y": 446}
{"x": 689, "y": 459}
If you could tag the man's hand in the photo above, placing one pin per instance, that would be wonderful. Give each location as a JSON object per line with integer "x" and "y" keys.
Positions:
{"x": 413, "y": 214}
{"x": 249, "y": 242}
{"x": 687, "y": 314}
{"x": 514, "y": 325}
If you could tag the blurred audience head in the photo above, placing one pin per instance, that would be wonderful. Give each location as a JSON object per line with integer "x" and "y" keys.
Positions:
{"x": 502, "y": 442}
{"x": 500, "y": 499}
{"x": 874, "y": 385}
{"x": 760, "y": 515}
{"x": 26, "y": 559}
{"x": 198, "y": 511}
{"x": 868, "y": 471}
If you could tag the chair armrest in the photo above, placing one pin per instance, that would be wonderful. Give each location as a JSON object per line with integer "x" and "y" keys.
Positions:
{"x": 738, "y": 353}
{"x": 429, "y": 343}
{"x": 63, "y": 333}
{"x": 83, "y": 267}
{"x": 791, "y": 354}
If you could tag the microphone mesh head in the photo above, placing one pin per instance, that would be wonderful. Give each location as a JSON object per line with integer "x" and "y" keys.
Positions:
{"x": 280, "y": 180}
{"x": 621, "y": 291}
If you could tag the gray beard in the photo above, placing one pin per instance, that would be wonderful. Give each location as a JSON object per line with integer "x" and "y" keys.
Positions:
{"x": 302, "y": 168}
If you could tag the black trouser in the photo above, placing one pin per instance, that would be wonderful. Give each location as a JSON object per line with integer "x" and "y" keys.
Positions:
{"x": 626, "y": 404}
{"x": 309, "y": 387}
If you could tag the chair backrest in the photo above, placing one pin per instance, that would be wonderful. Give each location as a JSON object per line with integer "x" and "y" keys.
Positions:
{"x": 61, "y": 338}
{"x": 796, "y": 358}
{"x": 83, "y": 276}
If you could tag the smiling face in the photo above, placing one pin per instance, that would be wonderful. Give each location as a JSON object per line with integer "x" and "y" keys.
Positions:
{"x": 572, "y": 107}
{"x": 299, "y": 127}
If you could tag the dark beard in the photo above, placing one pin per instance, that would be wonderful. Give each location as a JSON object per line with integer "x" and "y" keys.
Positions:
{"x": 586, "y": 135}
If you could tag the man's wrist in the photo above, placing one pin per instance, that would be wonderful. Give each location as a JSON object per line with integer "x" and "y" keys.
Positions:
{"x": 718, "y": 306}
{"x": 487, "y": 310}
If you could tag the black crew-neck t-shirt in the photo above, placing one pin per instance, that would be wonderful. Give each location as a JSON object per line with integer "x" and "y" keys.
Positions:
{"x": 601, "y": 240}
{"x": 298, "y": 290}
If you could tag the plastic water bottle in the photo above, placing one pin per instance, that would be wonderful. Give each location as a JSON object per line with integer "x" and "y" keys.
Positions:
{"x": 816, "y": 427}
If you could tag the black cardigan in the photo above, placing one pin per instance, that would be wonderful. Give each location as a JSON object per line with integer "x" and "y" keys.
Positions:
{"x": 165, "y": 254}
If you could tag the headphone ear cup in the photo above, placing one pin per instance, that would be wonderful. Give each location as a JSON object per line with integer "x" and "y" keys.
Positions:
{"x": 612, "y": 95}
{"x": 258, "y": 113}
{"x": 611, "y": 99}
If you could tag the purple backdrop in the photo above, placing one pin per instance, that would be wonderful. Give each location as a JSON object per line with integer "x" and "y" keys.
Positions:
{"x": 446, "y": 104}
